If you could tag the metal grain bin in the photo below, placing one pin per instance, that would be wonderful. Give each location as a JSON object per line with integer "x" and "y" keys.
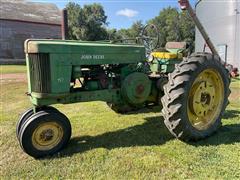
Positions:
{"x": 221, "y": 18}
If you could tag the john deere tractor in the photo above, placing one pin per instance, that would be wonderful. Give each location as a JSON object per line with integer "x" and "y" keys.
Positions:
{"x": 193, "y": 90}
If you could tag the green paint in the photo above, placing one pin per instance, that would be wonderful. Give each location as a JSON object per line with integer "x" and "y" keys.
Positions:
{"x": 108, "y": 72}
{"x": 136, "y": 88}
{"x": 163, "y": 65}
{"x": 111, "y": 95}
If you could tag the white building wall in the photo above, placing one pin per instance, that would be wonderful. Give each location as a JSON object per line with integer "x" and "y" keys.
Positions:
{"x": 221, "y": 21}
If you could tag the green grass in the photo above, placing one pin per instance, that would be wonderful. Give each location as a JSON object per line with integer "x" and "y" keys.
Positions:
{"x": 7, "y": 69}
{"x": 106, "y": 145}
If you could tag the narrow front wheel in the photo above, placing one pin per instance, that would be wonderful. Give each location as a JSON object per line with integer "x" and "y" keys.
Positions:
{"x": 28, "y": 113}
{"x": 44, "y": 133}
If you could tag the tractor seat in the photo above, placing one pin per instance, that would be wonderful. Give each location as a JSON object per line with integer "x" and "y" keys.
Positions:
{"x": 176, "y": 47}
{"x": 173, "y": 50}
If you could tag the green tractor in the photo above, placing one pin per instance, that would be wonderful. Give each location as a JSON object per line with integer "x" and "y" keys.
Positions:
{"x": 193, "y": 91}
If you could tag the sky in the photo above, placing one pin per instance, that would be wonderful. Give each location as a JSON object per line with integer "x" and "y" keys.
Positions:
{"x": 122, "y": 13}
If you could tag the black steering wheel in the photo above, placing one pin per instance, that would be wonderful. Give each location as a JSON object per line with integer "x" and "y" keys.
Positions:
{"x": 150, "y": 37}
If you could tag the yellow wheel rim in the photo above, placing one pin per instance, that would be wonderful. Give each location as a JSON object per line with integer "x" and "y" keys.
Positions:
{"x": 47, "y": 135}
{"x": 205, "y": 100}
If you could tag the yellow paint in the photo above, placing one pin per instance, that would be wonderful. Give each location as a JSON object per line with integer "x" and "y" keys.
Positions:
{"x": 47, "y": 136}
{"x": 205, "y": 100}
{"x": 166, "y": 55}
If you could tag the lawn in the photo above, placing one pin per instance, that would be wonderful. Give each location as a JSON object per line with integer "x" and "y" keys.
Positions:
{"x": 8, "y": 69}
{"x": 106, "y": 145}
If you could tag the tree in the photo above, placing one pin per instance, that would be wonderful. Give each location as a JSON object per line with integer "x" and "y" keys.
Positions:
{"x": 133, "y": 31}
{"x": 167, "y": 23}
{"x": 187, "y": 28}
{"x": 113, "y": 35}
{"x": 90, "y": 23}
{"x": 74, "y": 14}
{"x": 87, "y": 23}
{"x": 174, "y": 26}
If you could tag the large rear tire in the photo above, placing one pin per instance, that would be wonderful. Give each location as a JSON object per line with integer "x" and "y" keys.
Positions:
{"x": 195, "y": 97}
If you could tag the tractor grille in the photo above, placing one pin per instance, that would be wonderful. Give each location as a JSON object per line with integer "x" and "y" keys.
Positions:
{"x": 40, "y": 74}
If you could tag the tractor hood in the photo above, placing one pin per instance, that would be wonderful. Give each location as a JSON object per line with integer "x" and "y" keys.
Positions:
{"x": 80, "y": 47}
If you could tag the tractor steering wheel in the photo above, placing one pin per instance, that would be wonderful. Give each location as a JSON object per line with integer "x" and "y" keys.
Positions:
{"x": 150, "y": 37}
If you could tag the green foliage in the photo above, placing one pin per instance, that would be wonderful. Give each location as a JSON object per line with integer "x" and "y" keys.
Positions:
{"x": 87, "y": 23}
{"x": 167, "y": 23}
{"x": 187, "y": 29}
{"x": 174, "y": 26}
{"x": 132, "y": 32}
{"x": 113, "y": 35}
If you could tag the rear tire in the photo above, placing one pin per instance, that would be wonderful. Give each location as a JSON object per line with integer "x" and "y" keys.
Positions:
{"x": 44, "y": 133}
{"x": 195, "y": 97}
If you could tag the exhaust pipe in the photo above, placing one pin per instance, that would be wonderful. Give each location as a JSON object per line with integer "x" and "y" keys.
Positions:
{"x": 64, "y": 24}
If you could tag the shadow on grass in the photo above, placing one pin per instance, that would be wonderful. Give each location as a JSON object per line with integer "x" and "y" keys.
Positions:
{"x": 228, "y": 134}
{"x": 228, "y": 114}
{"x": 152, "y": 132}
{"x": 148, "y": 109}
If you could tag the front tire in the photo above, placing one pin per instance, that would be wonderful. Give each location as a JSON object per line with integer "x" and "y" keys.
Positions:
{"x": 28, "y": 113}
{"x": 44, "y": 133}
{"x": 196, "y": 97}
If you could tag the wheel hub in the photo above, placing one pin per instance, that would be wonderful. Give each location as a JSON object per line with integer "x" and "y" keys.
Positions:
{"x": 47, "y": 135}
{"x": 136, "y": 88}
{"x": 205, "y": 99}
